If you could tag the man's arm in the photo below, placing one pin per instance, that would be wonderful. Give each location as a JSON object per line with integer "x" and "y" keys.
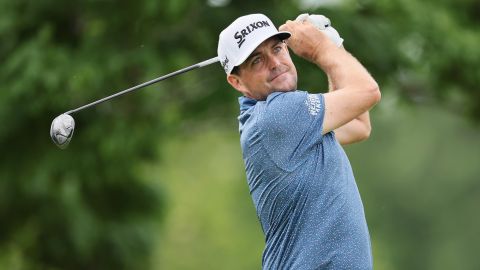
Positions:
{"x": 354, "y": 131}
{"x": 356, "y": 92}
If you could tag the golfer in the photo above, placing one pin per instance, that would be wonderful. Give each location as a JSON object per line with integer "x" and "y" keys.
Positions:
{"x": 300, "y": 179}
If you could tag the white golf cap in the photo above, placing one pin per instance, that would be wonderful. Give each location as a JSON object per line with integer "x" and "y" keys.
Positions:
{"x": 242, "y": 37}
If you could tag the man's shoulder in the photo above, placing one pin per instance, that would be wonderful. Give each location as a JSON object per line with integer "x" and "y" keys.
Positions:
{"x": 288, "y": 101}
{"x": 285, "y": 96}
{"x": 278, "y": 107}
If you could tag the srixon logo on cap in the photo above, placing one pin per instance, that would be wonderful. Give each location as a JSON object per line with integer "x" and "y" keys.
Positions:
{"x": 240, "y": 35}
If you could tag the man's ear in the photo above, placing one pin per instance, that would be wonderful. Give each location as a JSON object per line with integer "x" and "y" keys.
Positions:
{"x": 236, "y": 82}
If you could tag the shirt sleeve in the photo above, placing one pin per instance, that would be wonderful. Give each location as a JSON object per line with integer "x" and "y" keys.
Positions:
{"x": 292, "y": 127}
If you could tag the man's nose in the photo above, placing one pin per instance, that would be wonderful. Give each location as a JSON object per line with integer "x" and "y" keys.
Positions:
{"x": 273, "y": 61}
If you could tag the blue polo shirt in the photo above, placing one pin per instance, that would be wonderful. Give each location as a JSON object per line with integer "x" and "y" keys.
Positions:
{"x": 302, "y": 185}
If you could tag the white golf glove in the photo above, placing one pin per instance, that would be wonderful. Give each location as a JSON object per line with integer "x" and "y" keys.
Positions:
{"x": 323, "y": 24}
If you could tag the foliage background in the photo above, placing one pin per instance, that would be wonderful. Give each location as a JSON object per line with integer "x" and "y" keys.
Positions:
{"x": 155, "y": 180}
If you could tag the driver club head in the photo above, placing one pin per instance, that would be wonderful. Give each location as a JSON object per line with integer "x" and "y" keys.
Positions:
{"x": 61, "y": 130}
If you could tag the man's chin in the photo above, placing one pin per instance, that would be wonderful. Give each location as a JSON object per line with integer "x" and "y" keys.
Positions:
{"x": 285, "y": 90}
{"x": 285, "y": 85}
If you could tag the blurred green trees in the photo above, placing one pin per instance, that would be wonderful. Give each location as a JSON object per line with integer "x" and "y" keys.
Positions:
{"x": 95, "y": 206}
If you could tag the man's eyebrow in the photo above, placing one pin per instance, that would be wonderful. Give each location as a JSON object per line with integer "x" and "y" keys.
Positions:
{"x": 276, "y": 43}
{"x": 255, "y": 53}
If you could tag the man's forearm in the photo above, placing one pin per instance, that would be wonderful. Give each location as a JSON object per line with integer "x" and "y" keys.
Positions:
{"x": 354, "y": 131}
{"x": 364, "y": 117}
{"x": 342, "y": 68}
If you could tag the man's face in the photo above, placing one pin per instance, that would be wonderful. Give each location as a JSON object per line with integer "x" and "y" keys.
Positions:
{"x": 268, "y": 69}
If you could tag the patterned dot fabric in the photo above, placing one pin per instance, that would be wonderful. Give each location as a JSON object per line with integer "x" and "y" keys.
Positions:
{"x": 302, "y": 185}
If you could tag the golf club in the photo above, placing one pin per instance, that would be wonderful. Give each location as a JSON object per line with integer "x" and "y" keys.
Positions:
{"x": 63, "y": 125}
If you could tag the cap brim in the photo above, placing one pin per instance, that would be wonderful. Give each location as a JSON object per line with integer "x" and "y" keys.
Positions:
{"x": 282, "y": 35}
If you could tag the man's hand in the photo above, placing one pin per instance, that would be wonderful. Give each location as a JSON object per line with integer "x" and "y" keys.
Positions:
{"x": 323, "y": 24}
{"x": 306, "y": 41}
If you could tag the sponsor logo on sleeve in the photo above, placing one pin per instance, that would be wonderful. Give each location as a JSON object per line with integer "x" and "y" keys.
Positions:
{"x": 313, "y": 104}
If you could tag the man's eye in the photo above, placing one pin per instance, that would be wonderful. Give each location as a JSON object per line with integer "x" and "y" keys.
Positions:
{"x": 256, "y": 60}
{"x": 277, "y": 49}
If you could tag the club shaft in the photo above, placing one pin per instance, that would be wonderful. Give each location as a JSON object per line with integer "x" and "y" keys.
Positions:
{"x": 180, "y": 71}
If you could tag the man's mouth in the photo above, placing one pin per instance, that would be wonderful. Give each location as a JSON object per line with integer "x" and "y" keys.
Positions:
{"x": 278, "y": 74}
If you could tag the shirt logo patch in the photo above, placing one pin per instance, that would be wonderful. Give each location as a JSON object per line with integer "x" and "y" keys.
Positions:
{"x": 313, "y": 104}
